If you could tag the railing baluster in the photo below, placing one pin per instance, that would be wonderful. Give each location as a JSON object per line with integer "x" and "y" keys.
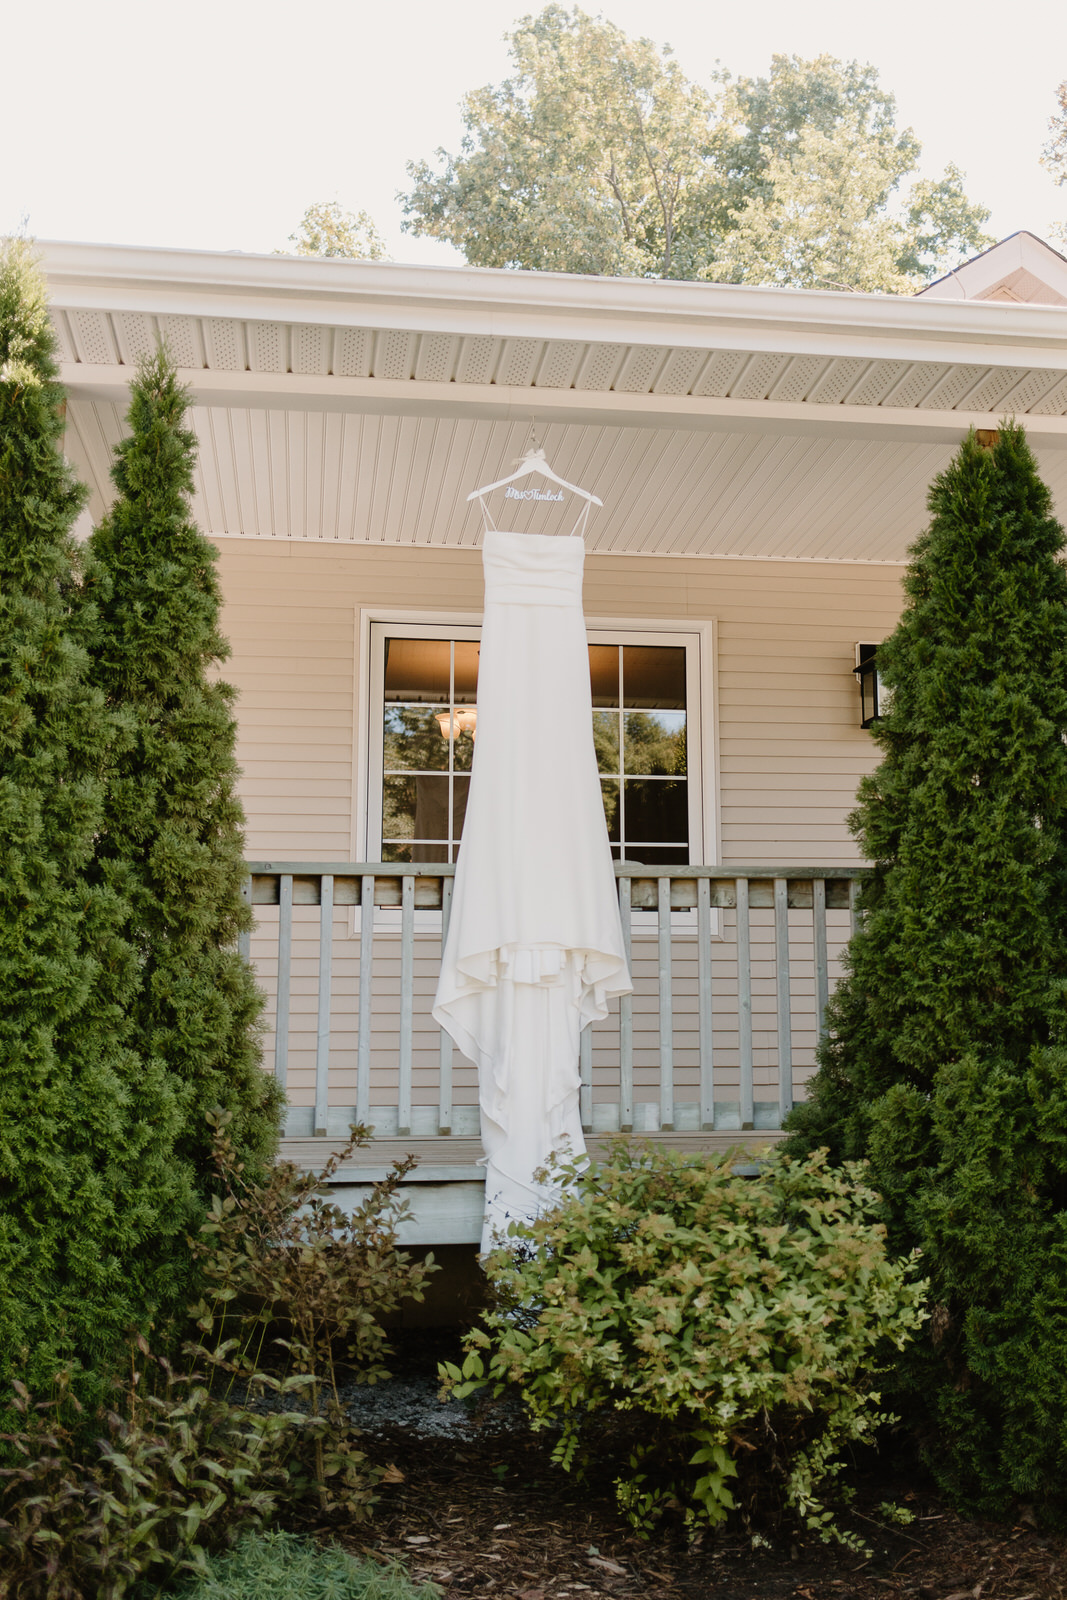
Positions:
{"x": 444, "y": 1103}
{"x": 585, "y": 1074}
{"x": 781, "y": 984}
{"x": 244, "y": 938}
{"x": 322, "y": 1046}
{"x": 366, "y": 963}
{"x": 822, "y": 977}
{"x": 855, "y": 917}
{"x": 626, "y": 1020}
{"x": 285, "y": 967}
{"x": 744, "y": 1003}
{"x": 277, "y": 883}
{"x": 407, "y": 974}
{"x": 707, "y": 1063}
{"x": 666, "y": 1014}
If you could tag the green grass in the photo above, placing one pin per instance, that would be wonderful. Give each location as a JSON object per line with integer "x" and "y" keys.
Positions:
{"x": 281, "y": 1566}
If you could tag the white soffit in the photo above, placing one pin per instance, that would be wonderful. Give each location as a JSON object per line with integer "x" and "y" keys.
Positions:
{"x": 357, "y": 478}
{"x": 357, "y": 402}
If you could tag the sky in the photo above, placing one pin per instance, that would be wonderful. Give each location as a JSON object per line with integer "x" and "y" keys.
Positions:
{"x": 214, "y": 124}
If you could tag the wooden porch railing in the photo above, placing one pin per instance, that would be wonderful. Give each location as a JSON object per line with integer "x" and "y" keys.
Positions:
{"x": 710, "y": 965}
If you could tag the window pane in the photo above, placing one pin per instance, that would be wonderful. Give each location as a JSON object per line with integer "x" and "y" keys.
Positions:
{"x": 466, "y": 671}
{"x": 610, "y": 790}
{"x": 428, "y": 852}
{"x": 398, "y": 808}
{"x": 431, "y": 808}
{"x": 655, "y": 855}
{"x": 657, "y": 811}
{"x": 655, "y": 742}
{"x": 606, "y": 740}
{"x": 415, "y": 807}
{"x": 604, "y": 674}
{"x": 412, "y": 739}
{"x": 463, "y": 743}
{"x": 460, "y": 790}
{"x": 396, "y": 852}
{"x": 417, "y": 669}
{"x": 653, "y": 676}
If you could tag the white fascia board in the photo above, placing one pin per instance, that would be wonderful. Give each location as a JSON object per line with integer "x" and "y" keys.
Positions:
{"x": 474, "y": 300}
{"x": 495, "y": 402}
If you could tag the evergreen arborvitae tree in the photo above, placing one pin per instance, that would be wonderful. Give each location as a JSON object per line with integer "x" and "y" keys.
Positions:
{"x": 89, "y": 1199}
{"x": 173, "y": 822}
{"x": 945, "y": 1060}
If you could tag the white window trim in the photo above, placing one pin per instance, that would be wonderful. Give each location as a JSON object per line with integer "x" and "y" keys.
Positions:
{"x": 702, "y": 676}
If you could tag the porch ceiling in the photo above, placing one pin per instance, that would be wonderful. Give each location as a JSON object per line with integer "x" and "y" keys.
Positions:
{"x": 354, "y": 402}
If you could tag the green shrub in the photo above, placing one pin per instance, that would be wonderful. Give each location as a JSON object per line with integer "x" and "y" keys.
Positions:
{"x": 181, "y": 1462}
{"x": 275, "y": 1252}
{"x": 92, "y": 1205}
{"x": 280, "y": 1566}
{"x": 173, "y": 826}
{"x": 943, "y": 1063}
{"x": 163, "y": 1474}
{"x": 715, "y": 1336}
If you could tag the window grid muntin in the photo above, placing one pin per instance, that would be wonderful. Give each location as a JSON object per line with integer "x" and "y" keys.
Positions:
{"x": 616, "y": 636}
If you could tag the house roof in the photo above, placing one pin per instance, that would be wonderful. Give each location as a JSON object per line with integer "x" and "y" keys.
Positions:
{"x": 359, "y": 401}
{"x": 1021, "y": 270}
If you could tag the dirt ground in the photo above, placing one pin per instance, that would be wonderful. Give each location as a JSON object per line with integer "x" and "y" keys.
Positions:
{"x": 489, "y": 1514}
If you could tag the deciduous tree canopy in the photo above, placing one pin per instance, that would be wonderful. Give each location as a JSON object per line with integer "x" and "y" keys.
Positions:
{"x": 1054, "y": 155}
{"x": 599, "y": 155}
{"x": 326, "y": 229}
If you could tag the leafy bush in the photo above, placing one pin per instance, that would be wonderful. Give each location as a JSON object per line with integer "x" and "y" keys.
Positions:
{"x": 167, "y": 1472}
{"x": 181, "y": 1462}
{"x": 716, "y": 1336}
{"x": 280, "y": 1566}
{"x": 278, "y": 1252}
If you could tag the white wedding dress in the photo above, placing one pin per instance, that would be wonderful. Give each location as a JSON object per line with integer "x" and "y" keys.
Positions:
{"x": 534, "y": 948}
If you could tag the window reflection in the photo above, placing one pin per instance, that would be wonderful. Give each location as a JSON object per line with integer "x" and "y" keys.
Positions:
{"x": 417, "y": 669}
{"x": 654, "y": 742}
{"x": 653, "y": 676}
{"x": 655, "y": 812}
{"x": 606, "y": 740}
{"x": 604, "y": 674}
{"x": 412, "y": 739}
{"x": 612, "y": 809}
{"x": 429, "y": 732}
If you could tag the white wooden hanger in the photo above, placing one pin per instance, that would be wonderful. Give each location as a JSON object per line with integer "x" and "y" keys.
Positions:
{"x": 534, "y": 461}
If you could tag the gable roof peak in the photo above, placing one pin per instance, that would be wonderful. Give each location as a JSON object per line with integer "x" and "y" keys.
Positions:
{"x": 1022, "y": 269}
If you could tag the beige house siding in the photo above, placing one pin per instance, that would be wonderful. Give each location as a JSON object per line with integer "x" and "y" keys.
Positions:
{"x": 790, "y": 753}
{"x": 790, "y": 747}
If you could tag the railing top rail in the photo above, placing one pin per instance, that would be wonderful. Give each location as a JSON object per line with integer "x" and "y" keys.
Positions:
{"x": 623, "y": 869}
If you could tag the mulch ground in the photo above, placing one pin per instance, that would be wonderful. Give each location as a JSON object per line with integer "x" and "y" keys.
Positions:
{"x": 492, "y": 1515}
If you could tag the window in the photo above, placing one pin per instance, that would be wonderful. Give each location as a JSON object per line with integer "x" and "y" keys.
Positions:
{"x": 423, "y": 729}
{"x": 640, "y": 704}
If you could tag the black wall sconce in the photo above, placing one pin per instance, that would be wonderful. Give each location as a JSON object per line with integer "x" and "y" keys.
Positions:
{"x": 866, "y": 670}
